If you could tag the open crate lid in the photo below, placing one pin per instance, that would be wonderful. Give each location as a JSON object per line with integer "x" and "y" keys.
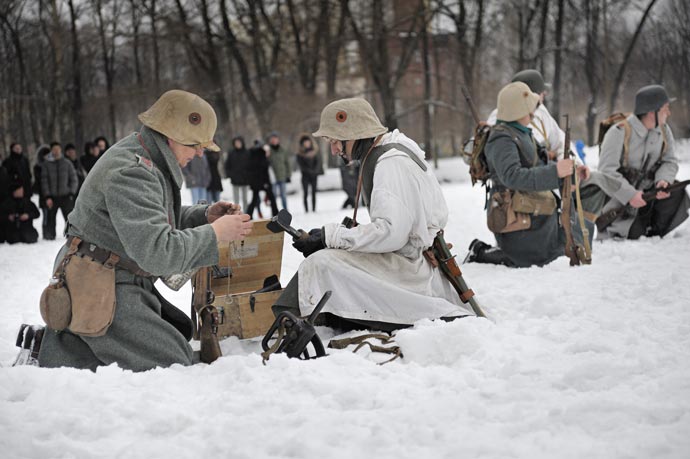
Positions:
{"x": 251, "y": 261}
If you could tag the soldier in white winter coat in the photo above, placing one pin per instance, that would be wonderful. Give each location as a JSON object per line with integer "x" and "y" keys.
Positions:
{"x": 377, "y": 271}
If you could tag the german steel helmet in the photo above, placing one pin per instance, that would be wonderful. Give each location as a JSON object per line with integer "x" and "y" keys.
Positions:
{"x": 515, "y": 101}
{"x": 349, "y": 119}
{"x": 532, "y": 78}
{"x": 183, "y": 117}
{"x": 650, "y": 99}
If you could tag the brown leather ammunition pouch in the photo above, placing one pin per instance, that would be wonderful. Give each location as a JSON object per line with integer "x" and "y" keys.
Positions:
{"x": 534, "y": 202}
{"x": 502, "y": 217}
{"x": 81, "y": 295}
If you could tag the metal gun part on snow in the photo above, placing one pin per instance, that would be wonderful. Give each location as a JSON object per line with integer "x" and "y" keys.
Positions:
{"x": 604, "y": 220}
{"x": 281, "y": 222}
{"x": 294, "y": 334}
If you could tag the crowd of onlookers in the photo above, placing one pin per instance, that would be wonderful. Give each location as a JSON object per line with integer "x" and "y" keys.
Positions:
{"x": 58, "y": 173}
{"x": 56, "y": 179}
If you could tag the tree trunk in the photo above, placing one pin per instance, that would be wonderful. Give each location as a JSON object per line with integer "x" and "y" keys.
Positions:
{"x": 135, "y": 42}
{"x": 76, "y": 80}
{"x": 556, "y": 105}
{"x": 428, "y": 145}
{"x": 628, "y": 52}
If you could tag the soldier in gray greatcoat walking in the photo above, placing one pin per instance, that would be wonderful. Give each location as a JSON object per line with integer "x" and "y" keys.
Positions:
{"x": 129, "y": 215}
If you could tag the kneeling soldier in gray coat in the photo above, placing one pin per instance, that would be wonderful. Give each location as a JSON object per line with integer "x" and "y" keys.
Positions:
{"x": 639, "y": 154}
{"x": 522, "y": 209}
{"x": 129, "y": 216}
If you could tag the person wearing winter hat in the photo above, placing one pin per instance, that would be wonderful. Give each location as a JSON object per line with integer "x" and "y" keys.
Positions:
{"x": 545, "y": 128}
{"x": 640, "y": 154}
{"x": 376, "y": 271}
{"x": 128, "y": 218}
{"x": 516, "y": 169}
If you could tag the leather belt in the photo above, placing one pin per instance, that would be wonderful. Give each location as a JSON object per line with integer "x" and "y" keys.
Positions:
{"x": 104, "y": 256}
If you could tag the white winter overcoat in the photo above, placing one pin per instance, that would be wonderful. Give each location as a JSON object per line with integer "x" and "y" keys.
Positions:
{"x": 376, "y": 270}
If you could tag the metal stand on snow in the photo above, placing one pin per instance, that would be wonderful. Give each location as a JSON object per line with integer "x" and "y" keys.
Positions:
{"x": 294, "y": 334}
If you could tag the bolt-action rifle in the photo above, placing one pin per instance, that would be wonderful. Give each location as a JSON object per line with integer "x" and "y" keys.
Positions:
{"x": 445, "y": 260}
{"x": 604, "y": 220}
{"x": 577, "y": 254}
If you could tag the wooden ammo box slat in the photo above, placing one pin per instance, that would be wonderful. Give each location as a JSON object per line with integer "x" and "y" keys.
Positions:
{"x": 251, "y": 261}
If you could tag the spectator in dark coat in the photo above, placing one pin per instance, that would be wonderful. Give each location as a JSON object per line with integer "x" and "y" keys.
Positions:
{"x": 216, "y": 185}
{"x": 349, "y": 174}
{"x": 91, "y": 155}
{"x": 259, "y": 179}
{"x": 59, "y": 186}
{"x": 197, "y": 177}
{"x": 17, "y": 213}
{"x": 4, "y": 193}
{"x": 18, "y": 168}
{"x": 41, "y": 154}
{"x": 73, "y": 157}
{"x": 311, "y": 165}
{"x": 236, "y": 169}
{"x": 102, "y": 144}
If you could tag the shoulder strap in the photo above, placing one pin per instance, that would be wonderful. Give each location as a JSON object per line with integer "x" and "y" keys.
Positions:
{"x": 507, "y": 129}
{"x": 664, "y": 144}
{"x": 370, "y": 162}
{"x": 626, "y": 141}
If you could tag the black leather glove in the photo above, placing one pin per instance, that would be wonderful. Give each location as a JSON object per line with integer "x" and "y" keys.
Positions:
{"x": 313, "y": 243}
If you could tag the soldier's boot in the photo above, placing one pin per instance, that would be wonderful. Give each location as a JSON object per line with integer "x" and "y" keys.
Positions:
{"x": 481, "y": 252}
{"x": 29, "y": 341}
{"x": 208, "y": 334}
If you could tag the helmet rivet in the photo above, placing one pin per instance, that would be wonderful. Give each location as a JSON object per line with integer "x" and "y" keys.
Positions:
{"x": 194, "y": 118}
{"x": 341, "y": 116}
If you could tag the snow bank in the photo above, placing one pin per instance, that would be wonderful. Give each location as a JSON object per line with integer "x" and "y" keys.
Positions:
{"x": 578, "y": 362}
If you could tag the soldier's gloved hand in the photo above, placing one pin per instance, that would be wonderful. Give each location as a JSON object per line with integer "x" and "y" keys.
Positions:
{"x": 310, "y": 244}
{"x": 220, "y": 208}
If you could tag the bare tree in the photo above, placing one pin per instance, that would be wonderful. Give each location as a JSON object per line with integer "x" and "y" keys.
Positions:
{"x": 107, "y": 33}
{"x": 262, "y": 48}
{"x": 11, "y": 19}
{"x": 375, "y": 40}
{"x": 203, "y": 55}
{"x": 76, "y": 77}
{"x": 626, "y": 58}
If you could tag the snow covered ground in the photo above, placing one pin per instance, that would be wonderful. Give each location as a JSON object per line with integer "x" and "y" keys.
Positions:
{"x": 578, "y": 362}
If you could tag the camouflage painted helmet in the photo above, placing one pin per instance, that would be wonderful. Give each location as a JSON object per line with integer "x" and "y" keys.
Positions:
{"x": 183, "y": 117}
{"x": 650, "y": 99}
{"x": 349, "y": 119}
{"x": 516, "y": 101}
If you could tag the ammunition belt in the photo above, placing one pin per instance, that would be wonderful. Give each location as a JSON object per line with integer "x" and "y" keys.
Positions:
{"x": 102, "y": 256}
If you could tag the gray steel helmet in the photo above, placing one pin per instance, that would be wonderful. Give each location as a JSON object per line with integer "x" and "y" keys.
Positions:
{"x": 650, "y": 99}
{"x": 531, "y": 78}
{"x": 349, "y": 119}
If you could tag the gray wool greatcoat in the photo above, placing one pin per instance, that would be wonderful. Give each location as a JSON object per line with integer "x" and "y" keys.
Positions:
{"x": 521, "y": 170}
{"x": 643, "y": 143}
{"x": 130, "y": 204}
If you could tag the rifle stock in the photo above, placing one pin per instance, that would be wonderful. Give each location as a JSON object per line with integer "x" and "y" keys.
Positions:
{"x": 606, "y": 219}
{"x": 572, "y": 250}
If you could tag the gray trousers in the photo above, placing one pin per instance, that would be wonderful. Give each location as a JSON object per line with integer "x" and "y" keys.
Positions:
{"x": 139, "y": 338}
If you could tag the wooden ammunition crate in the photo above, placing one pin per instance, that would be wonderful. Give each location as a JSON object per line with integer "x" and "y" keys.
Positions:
{"x": 250, "y": 262}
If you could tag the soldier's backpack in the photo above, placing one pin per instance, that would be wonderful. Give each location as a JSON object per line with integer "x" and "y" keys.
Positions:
{"x": 473, "y": 154}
